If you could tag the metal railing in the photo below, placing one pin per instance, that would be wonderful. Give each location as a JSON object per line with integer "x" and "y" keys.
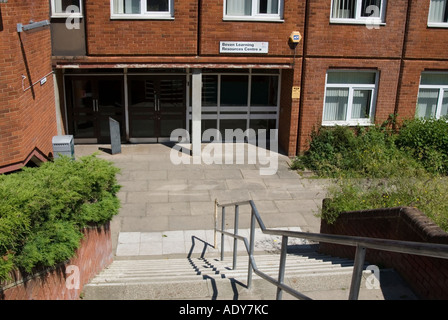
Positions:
{"x": 361, "y": 244}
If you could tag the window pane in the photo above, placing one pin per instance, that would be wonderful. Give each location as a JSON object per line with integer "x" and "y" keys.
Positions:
{"x": 127, "y": 6}
{"x": 234, "y": 90}
{"x": 209, "y": 91}
{"x": 264, "y": 91}
{"x": 427, "y": 103}
{"x": 371, "y": 8}
{"x": 434, "y": 78}
{"x": 157, "y": 5}
{"x": 351, "y": 77}
{"x": 444, "y": 111}
{"x": 268, "y": 6}
{"x": 437, "y": 11}
{"x": 60, "y": 6}
{"x": 336, "y": 102}
{"x": 344, "y": 9}
{"x": 239, "y": 7}
{"x": 362, "y": 100}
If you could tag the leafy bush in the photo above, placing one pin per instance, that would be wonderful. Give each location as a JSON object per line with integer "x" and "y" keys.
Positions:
{"x": 427, "y": 141}
{"x": 42, "y": 210}
{"x": 427, "y": 194}
{"x": 345, "y": 152}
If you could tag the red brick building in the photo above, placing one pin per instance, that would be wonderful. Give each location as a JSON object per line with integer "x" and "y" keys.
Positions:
{"x": 160, "y": 65}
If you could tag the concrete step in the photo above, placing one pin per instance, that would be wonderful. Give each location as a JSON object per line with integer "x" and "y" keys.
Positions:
{"x": 199, "y": 278}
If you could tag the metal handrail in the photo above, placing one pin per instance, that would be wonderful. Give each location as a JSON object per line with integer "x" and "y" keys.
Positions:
{"x": 361, "y": 244}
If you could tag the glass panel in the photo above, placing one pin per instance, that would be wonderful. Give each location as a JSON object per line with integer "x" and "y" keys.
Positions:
{"x": 362, "y": 100}
{"x": 434, "y": 78}
{"x": 268, "y": 7}
{"x": 82, "y": 94}
{"x": 126, "y": 6}
{"x": 171, "y": 94}
{"x": 239, "y": 7}
{"x": 142, "y": 93}
{"x": 258, "y": 124}
{"x": 264, "y": 91}
{"x": 232, "y": 124}
{"x": 142, "y": 128}
{"x": 169, "y": 125}
{"x": 351, "y": 77}
{"x": 438, "y": 11}
{"x": 208, "y": 124}
{"x": 157, "y": 5}
{"x": 209, "y": 91}
{"x": 60, "y": 6}
{"x": 234, "y": 90}
{"x": 344, "y": 9}
{"x": 110, "y": 97}
{"x": 371, "y": 8}
{"x": 84, "y": 129}
{"x": 427, "y": 103}
{"x": 336, "y": 102}
{"x": 444, "y": 111}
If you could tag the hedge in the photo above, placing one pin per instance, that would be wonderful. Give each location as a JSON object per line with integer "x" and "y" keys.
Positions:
{"x": 43, "y": 210}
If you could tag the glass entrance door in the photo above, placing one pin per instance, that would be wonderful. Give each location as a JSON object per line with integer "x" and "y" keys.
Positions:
{"x": 156, "y": 107}
{"x": 91, "y": 101}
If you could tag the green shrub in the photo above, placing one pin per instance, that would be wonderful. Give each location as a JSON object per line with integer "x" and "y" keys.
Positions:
{"x": 346, "y": 152}
{"x": 42, "y": 210}
{"x": 427, "y": 141}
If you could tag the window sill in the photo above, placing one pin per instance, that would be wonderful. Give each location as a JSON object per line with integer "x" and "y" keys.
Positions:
{"x": 249, "y": 19}
{"x": 347, "y": 123}
{"x": 366, "y": 22}
{"x": 438, "y": 25}
{"x": 141, "y": 17}
{"x": 66, "y": 15}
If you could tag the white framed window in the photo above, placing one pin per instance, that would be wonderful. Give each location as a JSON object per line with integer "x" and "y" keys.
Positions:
{"x": 358, "y": 11}
{"x": 350, "y": 97}
{"x": 142, "y": 9}
{"x": 432, "y": 99}
{"x": 66, "y": 8}
{"x": 438, "y": 14}
{"x": 261, "y": 10}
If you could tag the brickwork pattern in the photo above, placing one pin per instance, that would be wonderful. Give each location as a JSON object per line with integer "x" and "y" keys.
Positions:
{"x": 428, "y": 277}
{"x": 27, "y": 111}
{"x": 94, "y": 254}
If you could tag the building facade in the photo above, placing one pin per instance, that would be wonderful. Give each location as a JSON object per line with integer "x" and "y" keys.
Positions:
{"x": 160, "y": 65}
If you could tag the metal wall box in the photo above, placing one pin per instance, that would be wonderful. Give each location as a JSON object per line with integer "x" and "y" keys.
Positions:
{"x": 63, "y": 146}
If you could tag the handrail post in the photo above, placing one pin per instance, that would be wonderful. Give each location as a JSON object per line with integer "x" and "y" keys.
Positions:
{"x": 251, "y": 248}
{"x": 223, "y": 222}
{"x": 235, "y": 240}
{"x": 216, "y": 225}
{"x": 357, "y": 272}
{"x": 281, "y": 271}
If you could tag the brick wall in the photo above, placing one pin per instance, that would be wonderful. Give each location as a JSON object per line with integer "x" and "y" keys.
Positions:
{"x": 95, "y": 253}
{"x": 424, "y": 42}
{"x": 141, "y": 37}
{"x": 27, "y": 118}
{"x": 354, "y": 40}
{"x": 428, "y": 277}
{"x": 289, "y": 109}
{"x": 314, "y": 90}
{"x": 214, "y": 29}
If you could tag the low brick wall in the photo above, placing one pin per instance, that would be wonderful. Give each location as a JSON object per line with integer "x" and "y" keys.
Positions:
{"x": 427, "y": 276}
{"x": 65, "y": 281}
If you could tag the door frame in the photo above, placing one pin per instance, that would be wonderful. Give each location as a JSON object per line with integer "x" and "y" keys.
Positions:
{"x": 157, "y": 78}
{"x": 95, "y": 114}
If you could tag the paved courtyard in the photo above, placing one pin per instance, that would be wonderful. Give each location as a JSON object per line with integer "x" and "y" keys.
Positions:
{"x": 168, "y": 206}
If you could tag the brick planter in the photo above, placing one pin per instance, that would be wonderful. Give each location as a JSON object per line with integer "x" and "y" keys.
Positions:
{"x": 427, "y": 276}
{"x": 66, "y": 280}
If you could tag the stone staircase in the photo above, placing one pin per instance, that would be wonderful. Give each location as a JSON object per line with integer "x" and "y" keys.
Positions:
{"x": 317, "y": 276}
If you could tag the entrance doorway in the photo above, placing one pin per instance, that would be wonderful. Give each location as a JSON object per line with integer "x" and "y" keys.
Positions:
{"x": 91, "y": 101}
{"x": 157, "y": 106}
